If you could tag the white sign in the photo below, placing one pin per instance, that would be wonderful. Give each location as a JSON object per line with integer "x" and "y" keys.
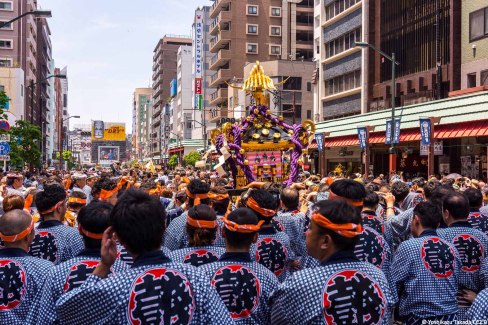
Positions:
{"x": 438, "y": 149}
{"x": 198, "y": 45}
{"x": 5, "y": 158}
{"x": 5, "y": 137}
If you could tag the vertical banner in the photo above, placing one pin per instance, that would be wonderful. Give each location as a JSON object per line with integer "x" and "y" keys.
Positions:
{"x": 319, "y": 138}
{"x": 363, "y": 138}
{"x": 396, "y": 135}
{"x": 198, "y": 52}
{"x": 200, "y": 102}
{"x": 425, "y": 131}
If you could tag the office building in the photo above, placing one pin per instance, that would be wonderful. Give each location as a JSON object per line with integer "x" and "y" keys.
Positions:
{"x": 141, "y": 122}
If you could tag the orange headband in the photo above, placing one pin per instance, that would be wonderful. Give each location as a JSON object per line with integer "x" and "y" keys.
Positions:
{"x": 354, "y": 203}
{"x": 218, "y": 197}
{"x": 28, "y": 201}
{"x": 251, "y": 203}
{"x": 348, "y": 230}
{"x": 196, "y": 197}
{"x": 53, "y": 208}
{"x": 90, "y": 234}
{"x": 68, "y": 184}
{"x": 105, "y": 195}
{"x": 156, "y": 191}
{"x": 208, "y": 224}
{"x": 76, "y": 200}
{"x": 19, "y": 236}
{"x": 235, "y": 227}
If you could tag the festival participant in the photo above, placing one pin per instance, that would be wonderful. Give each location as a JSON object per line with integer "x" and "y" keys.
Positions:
{"x": 400, "y": 191}
{"x": 272, "y": 249}
{"x": 105, "y": 189}
{"x": 425, "y": 271}
{"x": 416, "y": 194}
{"x": 179, "y": 206}
{"x": 76, "y": 200}
{"x": 201, "y": 230}
{"x": 15, "y": 184}
{"x": 80, "y": 184}
{"x": 349, "y": 191}
{"x": 243, "y": 285}
{"x": 478, "y": 312}
{"x": 342, "y": 290}
{"x": 175, "y": 237}
{"x": 90, "y": 181}
{"x": 54, "y": 241}
{"x": 21, "y": 274}
{"x": 476, "y": 218}
{"x": 219, "y": 200}
{"x": 93, "y": 220}
{"x": 471, "y": 243}
{"x": 368, "y": 215}
{"x": 154, "y": 290}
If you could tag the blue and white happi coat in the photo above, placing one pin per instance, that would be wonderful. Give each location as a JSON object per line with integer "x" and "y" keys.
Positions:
{"x": 273, "y": 251}
{"x": 484, "y": 273}
{"x": 341, "y": 290}
{"x": 370, "y": 219}
{"x": 397, "y": 228}
{"x": 293, "y": 224}
{"x": 479, "y": 309}
{"x": 56, "y": 242}
{"x": 425, "y": 272}
{"x": 175, "y": 236}
{"x": 153, "y": 291}
{"x": 244, "y": 286}
{"x": 197, "y": 256}
{"x": 479, "y": 220}
{"x": 124, "y": 256}
{"x": 63, "y": 278}
{"x": 21, "y": 278}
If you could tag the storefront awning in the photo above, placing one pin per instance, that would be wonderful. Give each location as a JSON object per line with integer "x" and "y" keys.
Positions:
{"x": 446, "y": 131}
{"x": 176, "y": 150}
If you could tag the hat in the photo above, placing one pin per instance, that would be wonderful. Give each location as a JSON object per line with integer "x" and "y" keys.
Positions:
{"x": 77, "y": 176}
{"x": 14, "y": 175}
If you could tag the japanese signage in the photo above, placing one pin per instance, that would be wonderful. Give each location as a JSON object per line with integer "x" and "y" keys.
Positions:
{"x": 108, "y": 154}
{"x": 107, "y": 131}
{"x": 319, "y": 138}
{"x": 363, "y": 138}
{"x": 438, "y": 149}
{"x": 425, "y": 130}
{"x": 198, "y": 86}
{"x": 199, "y": 30}
{"x": 396, "y": 135}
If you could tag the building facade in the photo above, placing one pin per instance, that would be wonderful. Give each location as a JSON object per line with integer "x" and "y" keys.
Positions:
{"x": 79, "y": 143}
{"x": 164, "y": 70}
{"x": 141, "y": 122}
{"x": 12, "y": 82}
{"x": 61, "y": 110}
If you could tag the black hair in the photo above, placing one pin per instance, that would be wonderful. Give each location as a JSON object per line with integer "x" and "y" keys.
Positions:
{"x": 371, "y": 200}
{"x": 429, "y": 214}
{"x": 419, "y": 181}
{"x": 400, "y": 191}
{"x": 338, "y": 212}
{"x": 439, "y": 194}
{"x": 348, "y": 189}
{"x": 290, "y": 198}
{"x": 457, "y": 205}
{"x": 95, "y": 218}
{"x": 139, "y": 221}
{"x": 196, "y": 186}
{"x": 78, "y": 195}
{"x": 474, "y": 196}
{"x": 265, "y": 200}
{"x": 430, "y": 187}
{"x": 104, "y": 183}
{"x": 48, "y": 198}
{"x": 220, "y": 206}
{"x": 201, "y": 236}
{"x": 372, "y": 187}
{"x": 241, "y": 216}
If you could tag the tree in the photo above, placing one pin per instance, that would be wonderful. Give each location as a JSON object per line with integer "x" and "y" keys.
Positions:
{"x": 192, "y": 157}
{"x": 68, "y": 157}
{"x": 24, "y": 145}
{"x": 173, "y": 161}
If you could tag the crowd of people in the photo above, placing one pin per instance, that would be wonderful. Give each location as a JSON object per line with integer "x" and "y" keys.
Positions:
{"x": 126, "y": 246}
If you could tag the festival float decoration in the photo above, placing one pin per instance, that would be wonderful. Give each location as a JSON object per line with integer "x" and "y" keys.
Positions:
{"x": 262, "y": 136}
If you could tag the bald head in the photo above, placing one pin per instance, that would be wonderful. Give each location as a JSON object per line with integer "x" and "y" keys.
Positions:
{"x": 14, "y": 222}
{"x": 290, "y": 198}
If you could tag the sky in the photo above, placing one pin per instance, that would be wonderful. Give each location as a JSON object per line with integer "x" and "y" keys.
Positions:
{"x": 108, "y": 46}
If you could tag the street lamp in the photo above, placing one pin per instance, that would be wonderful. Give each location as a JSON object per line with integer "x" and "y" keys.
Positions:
{"x": 36, "y": 13}
{"x": 392, "y": 58}
{"x": 31, "y": 87}
{"x": 60, "y": 144}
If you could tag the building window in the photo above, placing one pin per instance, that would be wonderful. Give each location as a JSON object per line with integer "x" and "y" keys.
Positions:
{"x": 275, "y": 30}
{"x": 6, "y": 5}
{"x": 252, "y": 29}
{"x": 275, "y": 12}
{"x": 471, "y": 80}
{"x": 484, "y": 78}
{"x": 6, "y": 27}
{"x": 342, "y": 43}
{"x": 252, "y": 48}
{"x": 343, "y": 83}
{"x": 478, "y": 24}
{"x": 337, "y": 7}
{"x": 252, "y": 10}
{"x": 4, "y": 62}
{"x": 293, "y": 83}
{"x": 275, "y": 49}
{"x": 6, "y": 44}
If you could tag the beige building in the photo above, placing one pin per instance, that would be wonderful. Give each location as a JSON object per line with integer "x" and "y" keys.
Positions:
{"x": 474, "y": 44}
{"x": 12, "y": 82}
{"x": 141, "y": 122}
{"x": 164, "y": 70}
{"x": 247, "y": 31}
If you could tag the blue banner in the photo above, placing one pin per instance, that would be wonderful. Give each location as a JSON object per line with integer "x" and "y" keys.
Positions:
{"x": 396, "y": 135}
{"x": 425, "y": 130}
{"x": 319, "y": 138}
{"x": 363, "y": 138}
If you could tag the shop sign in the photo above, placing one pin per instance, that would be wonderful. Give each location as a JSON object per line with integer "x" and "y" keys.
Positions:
{"x": 425, "y": 130}
{"x": 438, "y": 149}
{"x": 319, "y": 138}
{"x": 363, "y": 138}
{"x": 396, "y": 135}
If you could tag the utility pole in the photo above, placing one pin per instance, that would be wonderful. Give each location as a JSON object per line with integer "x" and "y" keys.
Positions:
{"x": 438, "y": 49}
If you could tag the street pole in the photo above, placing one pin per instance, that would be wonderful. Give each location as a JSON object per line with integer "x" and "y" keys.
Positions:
{"x": 32, "y": 100}
{"x": 393, "y": 157}
{"x": 438, "y": 49}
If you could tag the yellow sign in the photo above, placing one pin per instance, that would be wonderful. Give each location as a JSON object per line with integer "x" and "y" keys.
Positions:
{"x": 107, "y": 131}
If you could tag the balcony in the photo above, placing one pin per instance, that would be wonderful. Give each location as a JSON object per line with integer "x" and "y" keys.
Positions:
{"x": 217, "y": 6}
{"x": 222, "y": 57}
{"x": 219, "y": 78}
{"x": 216, "y": 114}
{"x": 223, "y": 38}
{"x": 218, "y": 97}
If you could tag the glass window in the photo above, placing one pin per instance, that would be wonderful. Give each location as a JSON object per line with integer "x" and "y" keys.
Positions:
{"x": 252, "y": 48}
{"x": 252, "y": 29}
{"x": 252, "y": 10}
{"x": 5, "y": 44}
{"x": 5, "y": 5}
{"x": 5, "y": 62}
{"x": 275, "y": 49}
{"x": 476, "y": 24}
{"x": 471, "y": 80}
{"x": 8, "y": 26}
{"x": 484, "y": 78}
{"x": 276, "y": 31}
{"x": 276, "y": 12}
{"x": 486, "y": 21}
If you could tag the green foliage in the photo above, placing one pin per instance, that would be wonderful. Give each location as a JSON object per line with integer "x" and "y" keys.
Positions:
{"x": 192, "y": 157}
{"x": 173, "y": 161}
{"x": 24, "y": 145}
{"x": 3, "y": 103}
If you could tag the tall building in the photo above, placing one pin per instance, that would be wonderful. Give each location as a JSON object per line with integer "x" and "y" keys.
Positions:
{"x": 12, "y": 82}
{"x": 50, "y": 127}
{"x": 474, "y": 44}
{"x": 79, "y": 142}
{"x": 164, "y": 70}
{"x": 18, "y": 44}
{"x": 61, "y": 108}
{"x": 141, "y": 122}
{"x": 338, "y": 25}
{"x": 246, "y": 31}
